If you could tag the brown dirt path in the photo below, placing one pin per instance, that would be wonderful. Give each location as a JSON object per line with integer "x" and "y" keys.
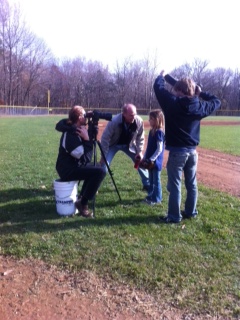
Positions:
{"x": 33, "y": 290}
{"x": 218, "y": 171}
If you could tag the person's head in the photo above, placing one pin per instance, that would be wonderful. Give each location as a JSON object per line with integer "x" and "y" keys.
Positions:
{"x": 156, "y": 120}
{"x": 185, "y": 87}
{"x": 76, "y": 116}
{"x": 129, "y": 112}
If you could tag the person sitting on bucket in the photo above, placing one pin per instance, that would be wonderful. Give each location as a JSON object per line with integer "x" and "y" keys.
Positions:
{"x": 75, "y": 152}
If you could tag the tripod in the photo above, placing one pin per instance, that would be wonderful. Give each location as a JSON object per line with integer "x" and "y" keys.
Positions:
{"x": 93, "y": 131}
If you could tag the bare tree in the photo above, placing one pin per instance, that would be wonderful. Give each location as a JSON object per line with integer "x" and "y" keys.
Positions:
{"x": 29, "y": 72}
{"x": 12, "y": 33}
{"x": 198, "y": 69}
{"x": 4, "y": 17}
{"x": 150, "y": 67}
{"x": 222, "y": 78}
{"x": 121, "y": 81}
{"x": 234, "y": 94}
{"x": 22, "y": 55}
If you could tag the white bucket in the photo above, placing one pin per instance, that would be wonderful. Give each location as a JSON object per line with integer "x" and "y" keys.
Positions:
{"x": 65, "y": 196}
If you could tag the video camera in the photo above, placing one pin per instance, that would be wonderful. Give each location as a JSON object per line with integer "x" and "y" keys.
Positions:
{"x": 96, "y": 115}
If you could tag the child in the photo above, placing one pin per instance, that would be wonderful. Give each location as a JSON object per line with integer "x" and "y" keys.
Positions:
{"x": 153, "y": 157}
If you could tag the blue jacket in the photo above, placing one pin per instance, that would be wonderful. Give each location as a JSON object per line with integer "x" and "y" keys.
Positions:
{"x": 152, "y": 147}
{"x": 183, "y": 115}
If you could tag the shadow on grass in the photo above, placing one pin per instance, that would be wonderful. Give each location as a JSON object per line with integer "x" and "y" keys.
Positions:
{"x": 21, "y": 194}
{"x": 26, "y": 205}
{"x": 38, "y": 213}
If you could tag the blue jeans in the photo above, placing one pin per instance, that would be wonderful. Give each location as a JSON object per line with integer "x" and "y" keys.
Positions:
{"x": 124, "y": 148}
{"x": 179, "y": 162}
{"x": 155, "y": 188}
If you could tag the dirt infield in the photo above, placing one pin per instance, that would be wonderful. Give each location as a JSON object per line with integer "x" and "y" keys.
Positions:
{"x": 220, "y": 123}
{"x": 32, "y": 290}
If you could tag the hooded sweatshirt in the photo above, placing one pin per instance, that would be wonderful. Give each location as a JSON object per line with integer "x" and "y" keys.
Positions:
{"x": 183, "y": 115}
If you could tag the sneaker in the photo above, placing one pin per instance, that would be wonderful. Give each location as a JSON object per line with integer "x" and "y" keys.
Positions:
{"x": 167, "y": 220}
{"x": 149, "y": 202}
{"x": 83, "y": 210}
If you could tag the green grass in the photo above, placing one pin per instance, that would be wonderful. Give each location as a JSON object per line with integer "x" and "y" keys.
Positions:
{"x": 194, "y": 265}
{"x": 221, "y": 138}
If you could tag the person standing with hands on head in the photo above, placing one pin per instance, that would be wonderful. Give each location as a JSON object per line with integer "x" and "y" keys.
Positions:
{"x": 183, "y": 112}
{"x": 125, "y": 133}
{"x": 75, "y": 153}
{"x": 153, "y": 157}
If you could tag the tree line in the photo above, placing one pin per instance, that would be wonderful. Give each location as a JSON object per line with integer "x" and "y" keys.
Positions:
{"x": 32, "y": 76}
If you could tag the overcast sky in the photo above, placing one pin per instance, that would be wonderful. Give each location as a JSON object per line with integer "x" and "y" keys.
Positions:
{"x": 178, "y": 31}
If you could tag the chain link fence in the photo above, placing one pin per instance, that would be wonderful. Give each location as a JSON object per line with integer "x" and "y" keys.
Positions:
{"x": 42, "y": 111}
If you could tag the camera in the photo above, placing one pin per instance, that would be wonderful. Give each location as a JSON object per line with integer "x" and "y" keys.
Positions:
{"x": 172, "y": 81}
{"x": 93, "y": 117}
{"x": 96, "y": 115}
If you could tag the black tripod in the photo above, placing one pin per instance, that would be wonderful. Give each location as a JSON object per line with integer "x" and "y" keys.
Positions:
{"x": 93, "y": 131}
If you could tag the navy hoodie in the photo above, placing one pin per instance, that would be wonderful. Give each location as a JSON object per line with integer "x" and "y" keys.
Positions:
{"x": 183, "y": 115}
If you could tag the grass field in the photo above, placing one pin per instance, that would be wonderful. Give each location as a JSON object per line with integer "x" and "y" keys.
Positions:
{"x": 194, "y": 266}
{"x": 221, "y": 138}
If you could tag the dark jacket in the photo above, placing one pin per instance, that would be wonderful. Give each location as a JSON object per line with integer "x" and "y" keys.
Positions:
{"x": 183, "y": 115}
{"x": 73, "y": 152}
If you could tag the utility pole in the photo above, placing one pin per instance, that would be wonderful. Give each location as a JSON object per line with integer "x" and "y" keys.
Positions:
{"x": 48, "y": 99}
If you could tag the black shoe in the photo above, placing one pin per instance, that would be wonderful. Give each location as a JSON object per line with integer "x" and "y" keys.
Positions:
{"x": 185, "y": 216}
{"x": 167, "y": 220}
{"x": 145, "y": 188}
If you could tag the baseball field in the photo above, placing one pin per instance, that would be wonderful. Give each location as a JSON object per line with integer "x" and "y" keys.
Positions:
{"x": 123, "y": 264}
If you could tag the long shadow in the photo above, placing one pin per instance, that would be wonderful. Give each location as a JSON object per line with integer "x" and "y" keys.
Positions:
{"x": 39, "y": 205}
{"x": 22, "y": 193}
{"x": 38, "y": 214}
{"x": 75, "y": 223}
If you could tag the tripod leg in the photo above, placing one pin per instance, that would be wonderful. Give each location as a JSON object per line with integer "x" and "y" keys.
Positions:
{"x": 94, "y": 162}
{"x": 108, "y": 168}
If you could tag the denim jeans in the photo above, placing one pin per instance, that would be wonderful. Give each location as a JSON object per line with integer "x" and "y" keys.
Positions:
{"x": 179, "y": 162}
{"x": 124, "y": 148}
{"x": 155, "y": 188}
